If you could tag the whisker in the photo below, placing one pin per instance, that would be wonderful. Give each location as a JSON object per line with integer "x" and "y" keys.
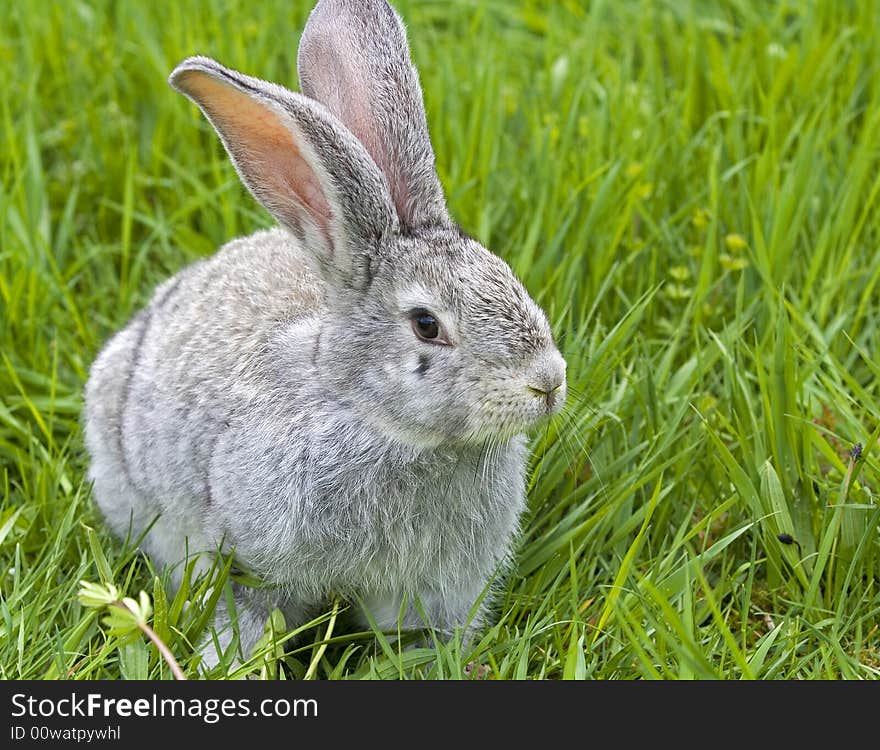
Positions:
{"x": 575, "y": 434}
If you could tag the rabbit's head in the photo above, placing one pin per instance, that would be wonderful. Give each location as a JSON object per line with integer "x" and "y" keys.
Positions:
{"x": 425, "y": 331}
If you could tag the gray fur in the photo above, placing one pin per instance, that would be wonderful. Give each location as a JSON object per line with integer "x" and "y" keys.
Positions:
{"x": 274, "y": 398}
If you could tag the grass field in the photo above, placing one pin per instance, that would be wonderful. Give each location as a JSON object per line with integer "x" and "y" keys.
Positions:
{"x": 691, "y": 191}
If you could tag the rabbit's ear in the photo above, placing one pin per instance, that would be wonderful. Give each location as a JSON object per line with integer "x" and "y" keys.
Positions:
{"x": 303, "y": 165}
{"x": 354, "y": 59}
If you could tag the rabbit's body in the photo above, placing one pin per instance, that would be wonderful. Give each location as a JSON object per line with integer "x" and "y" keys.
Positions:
{"x": 244, "y": 442}
{"x": 342, "y": 402}
{"x": 240, "y": 441}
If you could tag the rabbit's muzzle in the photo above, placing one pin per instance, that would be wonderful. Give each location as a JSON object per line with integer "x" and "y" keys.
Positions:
{"x": 546, "y": 380}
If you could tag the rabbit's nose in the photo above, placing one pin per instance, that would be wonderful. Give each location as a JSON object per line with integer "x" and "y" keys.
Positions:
{"x": 547, "y": 379}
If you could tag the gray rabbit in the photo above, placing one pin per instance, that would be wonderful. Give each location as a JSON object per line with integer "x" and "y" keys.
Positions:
{"x": 341, "y": 401}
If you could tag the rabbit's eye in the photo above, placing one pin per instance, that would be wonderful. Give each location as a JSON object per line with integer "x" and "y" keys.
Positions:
{"x": 426, "y": 326}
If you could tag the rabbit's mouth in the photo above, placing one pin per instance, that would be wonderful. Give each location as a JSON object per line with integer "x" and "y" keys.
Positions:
{"x": 545, "y": 402}
{"x": 552, "y": 396}
{"x": 530, "y": 413}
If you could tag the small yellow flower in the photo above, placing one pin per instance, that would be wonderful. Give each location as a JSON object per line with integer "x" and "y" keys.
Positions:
{"x": 700, "y": 219}
{"x": 735, "y": 242}
{"x": 706, "y": 404}
{"x": 644, "y": 190}
{"x": 731, "y": 263}
{"x": 680, "y": 273}
{"x": 637, "y": 244}
{"x": 634, "y": 169}
{"x": 583, "y": 126}
{"x": 678, "y": 292}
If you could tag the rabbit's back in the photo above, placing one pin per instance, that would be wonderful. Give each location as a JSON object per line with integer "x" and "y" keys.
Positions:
{"x": 165, "y": 387}
{"x": 211, "y": 331}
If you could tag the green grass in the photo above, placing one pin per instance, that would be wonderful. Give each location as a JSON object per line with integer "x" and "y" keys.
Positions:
{"x": 691, "y": 191}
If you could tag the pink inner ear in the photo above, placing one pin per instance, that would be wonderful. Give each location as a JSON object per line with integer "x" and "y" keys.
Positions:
{"x": 347, "y": 94}
{"x": 264, "y": 148}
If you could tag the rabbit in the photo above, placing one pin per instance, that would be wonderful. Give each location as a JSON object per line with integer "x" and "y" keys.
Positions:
{"x": 342, "y": 401}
